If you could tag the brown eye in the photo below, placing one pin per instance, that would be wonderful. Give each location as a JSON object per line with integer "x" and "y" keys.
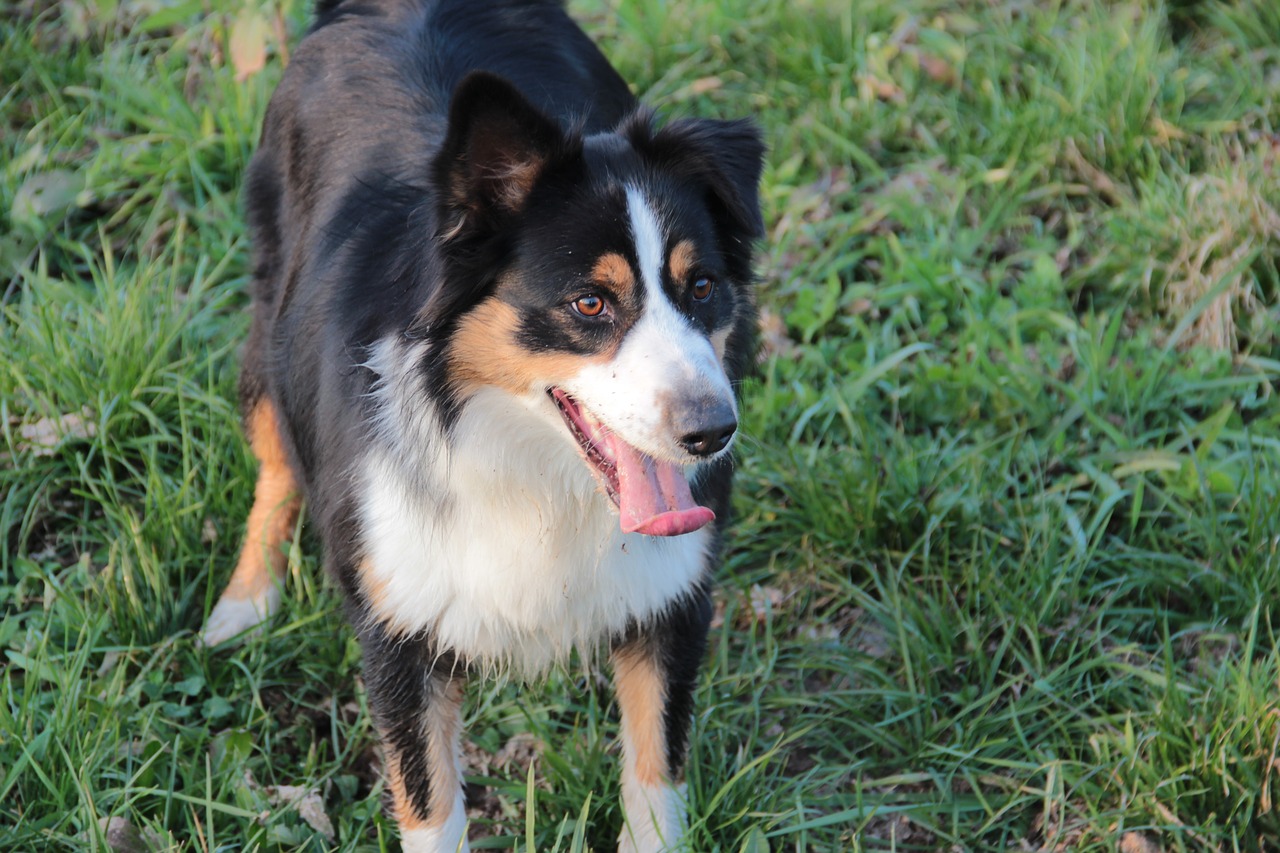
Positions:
{"x": 702, "y": 289}
{"x": 591, "y": 305}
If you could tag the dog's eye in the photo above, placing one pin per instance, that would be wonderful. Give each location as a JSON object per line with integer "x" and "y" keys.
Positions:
{"x": 702, "y": 289}
{"x": 590, "y": 305}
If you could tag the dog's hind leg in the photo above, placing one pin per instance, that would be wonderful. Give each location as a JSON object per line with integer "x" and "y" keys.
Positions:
{"x": 655, "y": 672}
{"x": 415, "y": 698}
{"x": 253, "y": 593}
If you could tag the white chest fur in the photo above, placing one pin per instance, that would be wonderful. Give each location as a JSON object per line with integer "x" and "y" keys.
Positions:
{"x": 501, "y": 544}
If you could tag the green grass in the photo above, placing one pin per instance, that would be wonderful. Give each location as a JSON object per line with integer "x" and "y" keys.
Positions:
{"x": 1007, "y": 557}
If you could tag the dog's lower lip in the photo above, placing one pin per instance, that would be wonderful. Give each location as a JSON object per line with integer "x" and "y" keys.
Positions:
{"x": 572, "y": 413}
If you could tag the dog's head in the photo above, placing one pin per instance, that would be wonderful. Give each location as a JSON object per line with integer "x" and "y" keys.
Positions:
{"x": 608, "y": 278}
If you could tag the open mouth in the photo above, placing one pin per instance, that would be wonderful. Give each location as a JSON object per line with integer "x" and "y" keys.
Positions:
{"x": 652, "y": 496}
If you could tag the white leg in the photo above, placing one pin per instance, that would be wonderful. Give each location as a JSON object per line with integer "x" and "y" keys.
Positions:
{"x": 653, "y": 807}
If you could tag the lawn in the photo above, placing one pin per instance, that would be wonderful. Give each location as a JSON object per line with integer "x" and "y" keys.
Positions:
{"x": 1005, "y": 573}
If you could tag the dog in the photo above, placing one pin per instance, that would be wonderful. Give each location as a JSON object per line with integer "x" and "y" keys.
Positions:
{"x": 500, "y": 316}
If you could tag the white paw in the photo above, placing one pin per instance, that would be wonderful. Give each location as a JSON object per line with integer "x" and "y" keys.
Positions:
{"x": 655, "y": 816}
{"x": 232, "y": 617}
{"x": 449, "y": 837}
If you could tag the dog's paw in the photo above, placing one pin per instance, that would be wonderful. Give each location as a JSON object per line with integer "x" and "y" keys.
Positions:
{"x": 233, "y": 617}
{"x": 449, "y": 838}
{"x": 648, "y": 843}
{"x": 656, "y": 817}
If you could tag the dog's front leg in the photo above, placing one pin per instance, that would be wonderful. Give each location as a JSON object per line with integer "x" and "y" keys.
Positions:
{"x": 415, "y": 696}
{"x": 655, "y": 672}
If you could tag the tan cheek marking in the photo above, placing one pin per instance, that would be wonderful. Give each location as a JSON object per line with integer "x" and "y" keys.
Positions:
{"x": 640, "y": 696}
{"x": 484, "y": 352}
{"x": 613, "y": 271}
{"x": 276, "y": 502}
{"x": 682, "y": 261}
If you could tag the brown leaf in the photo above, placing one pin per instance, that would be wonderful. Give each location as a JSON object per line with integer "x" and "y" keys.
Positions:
{"x": 938, "y": 69}
{"x": 705, "y": 84}
{"x": 860, "y": 306}
{"x": 520, "y": 751}
{"x": 248, "y": 46}
{"x": 870, "y": 86}
{"x": 1136, "y": 842}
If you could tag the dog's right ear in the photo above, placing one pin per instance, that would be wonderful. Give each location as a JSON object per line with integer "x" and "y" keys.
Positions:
{"x": 496, "y": 146}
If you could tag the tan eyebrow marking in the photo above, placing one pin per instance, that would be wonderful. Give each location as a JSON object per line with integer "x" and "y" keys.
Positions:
{"x": 682, "y": 260}
{"x": 612, "y": 269}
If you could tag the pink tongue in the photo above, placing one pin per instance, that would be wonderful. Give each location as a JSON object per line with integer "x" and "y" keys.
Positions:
{"x": 653, "y": 496}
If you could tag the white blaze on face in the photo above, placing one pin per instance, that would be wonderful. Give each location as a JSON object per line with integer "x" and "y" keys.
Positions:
{"x": 662, "y": 359}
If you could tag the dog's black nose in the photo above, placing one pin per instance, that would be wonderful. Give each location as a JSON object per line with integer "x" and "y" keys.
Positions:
{"x": 710, "y": 431}
{"x": 709, "y": 441}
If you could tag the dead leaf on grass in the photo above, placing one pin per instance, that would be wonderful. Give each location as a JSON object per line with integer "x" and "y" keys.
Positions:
{"x": 762, "y": 601}
{"x": 311, "y": 809}
{"x": 44, "y": 199}
{"x": 43, "y": 437}
{"x": 109, "y": 661}
{"x": 899, "y": 830}
{"x": 1136, "y": 842}
{"x": 248, "y": 46}
{"x": 520, "y": 751}
{"x": 512, "y": 761}
{"x": 820, "y": 633}
{"x": 697, "y": 88}
{"x": 308, "y": 802}
{"x": 871, "y": 87}
{"x": 938, "y": 69}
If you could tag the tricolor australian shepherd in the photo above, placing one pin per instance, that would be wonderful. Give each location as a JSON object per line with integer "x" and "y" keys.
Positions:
{"x": 499, "y": 315}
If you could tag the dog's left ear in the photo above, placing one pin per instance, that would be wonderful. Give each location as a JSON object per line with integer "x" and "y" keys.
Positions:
{"x": 727, "y": 156}
{"x": 496, "y": 146}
